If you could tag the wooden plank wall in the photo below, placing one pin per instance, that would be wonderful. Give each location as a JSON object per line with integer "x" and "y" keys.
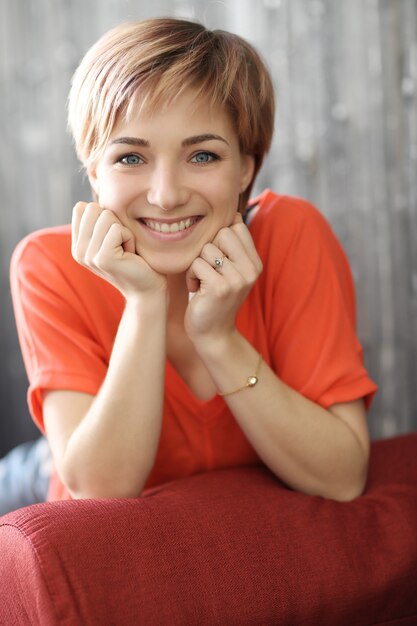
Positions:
{"x": 346, "y": 138}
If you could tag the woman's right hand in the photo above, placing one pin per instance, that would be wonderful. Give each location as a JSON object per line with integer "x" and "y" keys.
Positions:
{"x": 101, "y": 243}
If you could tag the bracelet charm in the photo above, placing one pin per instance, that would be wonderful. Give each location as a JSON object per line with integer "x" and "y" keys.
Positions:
{"x": 250, "y": 381}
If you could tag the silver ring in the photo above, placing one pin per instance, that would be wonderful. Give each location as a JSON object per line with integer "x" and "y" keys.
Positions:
{"x": 218, "y": 263}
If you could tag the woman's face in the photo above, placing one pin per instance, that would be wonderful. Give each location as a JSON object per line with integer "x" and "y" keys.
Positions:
{"x": 173, "y": 177}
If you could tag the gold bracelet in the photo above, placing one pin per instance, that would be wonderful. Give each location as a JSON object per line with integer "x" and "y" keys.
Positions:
{"x": 250, "y": 381}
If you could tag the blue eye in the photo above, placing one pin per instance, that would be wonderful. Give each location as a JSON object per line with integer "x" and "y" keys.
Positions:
{"x": 130, "y": 159}
{"x": 204, "y": 157}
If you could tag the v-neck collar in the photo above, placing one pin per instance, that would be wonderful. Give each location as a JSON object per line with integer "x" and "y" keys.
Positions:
{"x": 206, "y": 410}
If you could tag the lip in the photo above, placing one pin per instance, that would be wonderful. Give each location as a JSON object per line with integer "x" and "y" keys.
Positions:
{"x": 175, "y": 236}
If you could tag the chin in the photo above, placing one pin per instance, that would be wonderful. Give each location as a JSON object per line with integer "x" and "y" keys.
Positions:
{"x": 168, "y": 266}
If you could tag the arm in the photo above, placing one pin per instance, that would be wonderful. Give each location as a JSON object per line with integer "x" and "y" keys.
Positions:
{"x": 312, "y": 449}
{"x": 105, "y": 446}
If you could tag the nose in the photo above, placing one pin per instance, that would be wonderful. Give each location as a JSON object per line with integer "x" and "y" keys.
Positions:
{"x": 166, "y": 188}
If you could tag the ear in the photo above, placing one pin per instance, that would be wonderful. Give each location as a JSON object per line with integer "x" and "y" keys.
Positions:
{"x": 247, "y": 170}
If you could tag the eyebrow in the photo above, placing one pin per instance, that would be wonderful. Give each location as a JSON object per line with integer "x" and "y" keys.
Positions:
{"x": 189, "y": 141}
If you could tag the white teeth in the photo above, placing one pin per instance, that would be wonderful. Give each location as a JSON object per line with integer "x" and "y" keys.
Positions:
{"x": 175, "y": 227}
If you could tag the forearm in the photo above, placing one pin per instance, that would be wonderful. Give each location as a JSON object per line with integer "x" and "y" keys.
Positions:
{"x": 308, "y": 447}
{"x": 112, "y": 451}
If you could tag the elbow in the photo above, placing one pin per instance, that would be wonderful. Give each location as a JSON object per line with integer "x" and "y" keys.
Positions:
{"x": 348, "y": 490}
{"x": 100, "y": 485}
{"x": 350, "y": 484}
{"x": 348, "y": 494}
{"x": 102, "y": 494}
{"x": 99, "y": 490}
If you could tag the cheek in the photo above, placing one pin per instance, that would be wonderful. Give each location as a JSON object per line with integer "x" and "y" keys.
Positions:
{"x": 226, "y": 189}
{"x": 229, "y": 202}
{"x": 114, "y": 194}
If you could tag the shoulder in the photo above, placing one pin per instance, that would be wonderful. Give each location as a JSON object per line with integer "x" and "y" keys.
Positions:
{"x": 286, "y": 217}
{"x": 43, "y": 262}
{"x": 294, "y": 238}
{"x": 42, "y": 268}
{"x": 43, "y": 248}
{"x": 288, "y": 223}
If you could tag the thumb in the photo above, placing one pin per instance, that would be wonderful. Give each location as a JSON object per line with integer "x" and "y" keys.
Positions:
{"x": 192, "y": 282}
{"x": 128, "y": 241}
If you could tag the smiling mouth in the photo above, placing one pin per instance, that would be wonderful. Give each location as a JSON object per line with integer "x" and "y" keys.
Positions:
{"x": 170, "y": 227}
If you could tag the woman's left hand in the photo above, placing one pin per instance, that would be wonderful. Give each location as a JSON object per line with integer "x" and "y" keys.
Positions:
{"x": 221, "y": 290}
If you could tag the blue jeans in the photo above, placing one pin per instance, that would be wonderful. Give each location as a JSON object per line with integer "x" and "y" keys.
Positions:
{"x": 24, "y": 475}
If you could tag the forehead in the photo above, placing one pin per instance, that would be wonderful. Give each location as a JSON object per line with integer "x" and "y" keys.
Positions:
{"x": 187, "y": 110}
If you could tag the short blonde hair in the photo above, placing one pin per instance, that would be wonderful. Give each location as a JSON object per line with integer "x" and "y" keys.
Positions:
{"x": 151, "y": 62}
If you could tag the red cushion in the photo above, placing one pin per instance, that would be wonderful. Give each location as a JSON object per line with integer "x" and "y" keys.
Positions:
{"x": 227, "y": 547}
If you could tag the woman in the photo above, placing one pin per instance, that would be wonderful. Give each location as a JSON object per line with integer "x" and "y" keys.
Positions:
{"x": 164, "y": 336}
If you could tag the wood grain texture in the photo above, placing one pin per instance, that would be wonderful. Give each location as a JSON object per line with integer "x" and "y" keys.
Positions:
{"x": 346, "y": 139}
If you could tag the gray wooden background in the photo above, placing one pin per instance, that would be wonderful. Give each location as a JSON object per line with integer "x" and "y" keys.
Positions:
{"x": 346, "y": 138}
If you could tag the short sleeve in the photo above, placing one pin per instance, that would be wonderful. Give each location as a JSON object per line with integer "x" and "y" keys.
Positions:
{"x": 310, "y": 307}
{"x": 59, "y": 344}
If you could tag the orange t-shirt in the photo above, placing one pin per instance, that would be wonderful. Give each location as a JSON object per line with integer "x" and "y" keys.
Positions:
{"x": 300, "y": 316}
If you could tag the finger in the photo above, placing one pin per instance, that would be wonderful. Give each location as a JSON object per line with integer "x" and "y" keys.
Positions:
{"x": 111, "y": 248}
{"x": 239, "y": 227}
{"x": 86, "y": 224}
{"x": 236, "y": 241}
{"x": 238, "y": 219}
{"x": 110, "y": 234}
{"x": 214, "y": 256}
{"x": 200, "y": 271}
{"x": 239, "y": 264}
{"x": 192, "y": 282}
{"x": 231, "y": 245}
{"x": 77, "y": 213}
{"x": 101, "y": 227}
{"x": 243, "y": 233}
{"x": 119, "y": 237}
{"x": 234, "y": 276}
{"x": 105, "y": 221}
